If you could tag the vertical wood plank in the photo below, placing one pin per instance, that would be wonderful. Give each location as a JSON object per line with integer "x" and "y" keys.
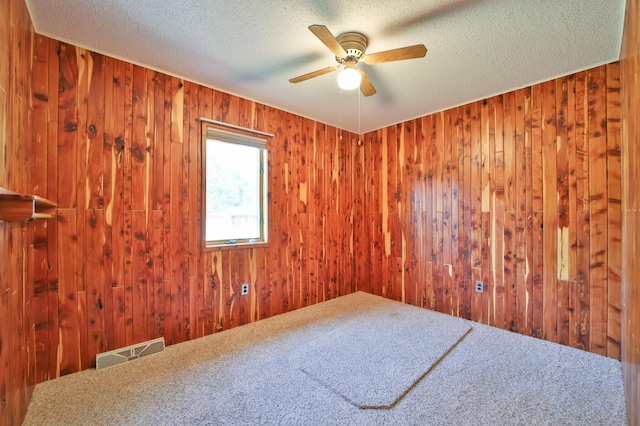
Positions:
{"x": 459, "y": 250}
{"x": 174, "y": 236}
{"x": 95, "y": 133}
{"x": 550, "y": 217}
{"x": 562, "y": 204}
{"x": 521, "y": 322}
{"x": 510, "y": 197}
{"x": 67, "y": 128}
{"x": 582, "y": 200}
{"x": 500, "y": 313}
{"x": 537, "y": 210}
{"x": 614, "y": 214}
{"x": 68, "y": 254}
{"x": 139, "y": 260}
{"x": 128, "y": 192}
{"x": 177, "y": 110}
{"x": 630, "y": 147}
{"x": 574, "y": 285}
{"x": 139, "y": 143}
{"x": 52, "y": 194}
{"x": 448, "y": 280}
{"x": 157, "y": 320}
{"x": 37, "y": 254}
{"x": 94, "y": 278}
{"x": 598, "y": 217}
{"x": 108, "y": 177}
{"x": 115, "y": 208}
{"x": 470, "y": 132}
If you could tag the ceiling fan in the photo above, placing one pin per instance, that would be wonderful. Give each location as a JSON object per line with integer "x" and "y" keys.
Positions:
{"x": 349, "y": 49}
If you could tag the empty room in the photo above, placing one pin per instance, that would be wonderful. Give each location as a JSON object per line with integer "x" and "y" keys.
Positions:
{"x": 319, "y": 212}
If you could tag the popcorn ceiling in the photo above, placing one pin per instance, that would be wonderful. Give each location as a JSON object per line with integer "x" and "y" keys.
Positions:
{"x": 476, "y": 48}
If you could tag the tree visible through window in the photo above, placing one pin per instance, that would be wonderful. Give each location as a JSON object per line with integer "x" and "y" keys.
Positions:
{"x": 234, "y": 188}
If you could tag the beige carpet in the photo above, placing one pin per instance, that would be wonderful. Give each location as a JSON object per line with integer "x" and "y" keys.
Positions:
{"x": 375, "y": 357}
{"x": 275, "y": 372}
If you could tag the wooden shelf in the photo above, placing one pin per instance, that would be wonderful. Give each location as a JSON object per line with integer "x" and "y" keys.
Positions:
{"x": 18, "y": 207}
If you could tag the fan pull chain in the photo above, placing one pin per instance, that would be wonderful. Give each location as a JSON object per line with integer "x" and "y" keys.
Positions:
{"x": 340, "y": 117}
{"x": 359, "y": 113}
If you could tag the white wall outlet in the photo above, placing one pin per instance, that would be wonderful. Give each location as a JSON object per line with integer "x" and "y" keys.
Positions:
{"x": 244, "y": 289}
{"x": 479, "y": 287}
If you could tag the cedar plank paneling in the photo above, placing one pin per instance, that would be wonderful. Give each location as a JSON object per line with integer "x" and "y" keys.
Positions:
{"x": 24, "y": 279}
{"x": 614, "y": 213}
{"x": 174, "y": 248}
{"x": 582, "y": 200}
{"x": 459, "y": 247}
{"x": 108, "y": 175}
{"x": 38, "y": 253}
{"x": 464, "y": 288}
{"x": 448, "y": 280}
{"x": 157, "y": 320}
{"x": 95, "y": 133}
{"x": 535, "y": 188}
{"x": 572, "y": 198}
{"x": 506, "y": 206}
{"x": 483, "y": 273}
{"x": 598, "y": 217}
{"x": 520, "y": 238}
{"x": 127, "y": 282}
{"x": 95, "y": 294}
{"x": 177, "y": 110}
{"x": 52, "y": 191}
{"x": 550, "y": 215}
{"x": 138, "y": 143}
{"x": 67, "y": 128}
{"x": 563, "y": 219}
{"x": 453, "y": 181}
{"x": 139, "y": 255}
{"x": 630, "y": 176}
{"x": 500, "y": 308}
{"x": 535, "y": 191}
{"x": 69, "y": 254}
{"x": 133, "y": 121}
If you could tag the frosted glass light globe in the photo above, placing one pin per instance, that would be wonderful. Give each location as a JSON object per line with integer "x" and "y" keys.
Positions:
{"x": 349, "y": 78}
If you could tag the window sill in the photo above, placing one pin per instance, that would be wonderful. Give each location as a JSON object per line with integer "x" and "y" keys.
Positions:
{"x": 236, "y": 246}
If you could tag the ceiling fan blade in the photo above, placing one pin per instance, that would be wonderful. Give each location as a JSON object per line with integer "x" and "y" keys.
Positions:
{"x": 312, "y": 74}
{"x": 366, "y": 87}
{"x": 409, "y": 52}
{"x": 328, "y": 39}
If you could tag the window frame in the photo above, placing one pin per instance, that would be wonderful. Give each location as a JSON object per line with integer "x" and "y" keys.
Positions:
{"x": 245, "y": 138}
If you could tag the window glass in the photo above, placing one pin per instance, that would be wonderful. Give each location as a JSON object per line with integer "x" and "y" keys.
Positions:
{"x": 235, "y": 179}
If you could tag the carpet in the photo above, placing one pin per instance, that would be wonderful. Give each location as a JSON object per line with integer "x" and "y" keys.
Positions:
{"x": 374, "y": 359}
{"x": 252, "y": 375}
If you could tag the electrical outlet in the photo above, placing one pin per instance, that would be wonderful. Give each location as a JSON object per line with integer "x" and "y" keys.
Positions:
{"x": 245, "y": 289}
{"x": 479, "y": 287}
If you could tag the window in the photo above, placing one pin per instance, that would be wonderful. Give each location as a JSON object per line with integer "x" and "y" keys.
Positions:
{"x": 235, "y": 188}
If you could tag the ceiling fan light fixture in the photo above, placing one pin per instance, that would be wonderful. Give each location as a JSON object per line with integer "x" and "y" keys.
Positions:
{"x": 349, "y": 49}
{"x": 349, "y": 78}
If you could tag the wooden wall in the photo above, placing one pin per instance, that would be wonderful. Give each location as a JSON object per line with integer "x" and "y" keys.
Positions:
{"x": 630, "y": 72}
{"x": 16, "y": 280}
{"x": 118, "y": 146}
{"x": 521, "y": 191}
{"x": 408, "y": 215}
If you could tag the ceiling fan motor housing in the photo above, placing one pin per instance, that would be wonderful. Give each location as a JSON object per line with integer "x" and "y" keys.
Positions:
{"x": 354, "y": 44}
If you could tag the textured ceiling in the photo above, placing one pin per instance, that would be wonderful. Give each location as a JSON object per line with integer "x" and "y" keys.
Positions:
{"x": 476, "y": 48}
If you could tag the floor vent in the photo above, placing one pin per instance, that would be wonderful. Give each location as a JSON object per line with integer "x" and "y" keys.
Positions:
{"x": 129, "y": 353}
